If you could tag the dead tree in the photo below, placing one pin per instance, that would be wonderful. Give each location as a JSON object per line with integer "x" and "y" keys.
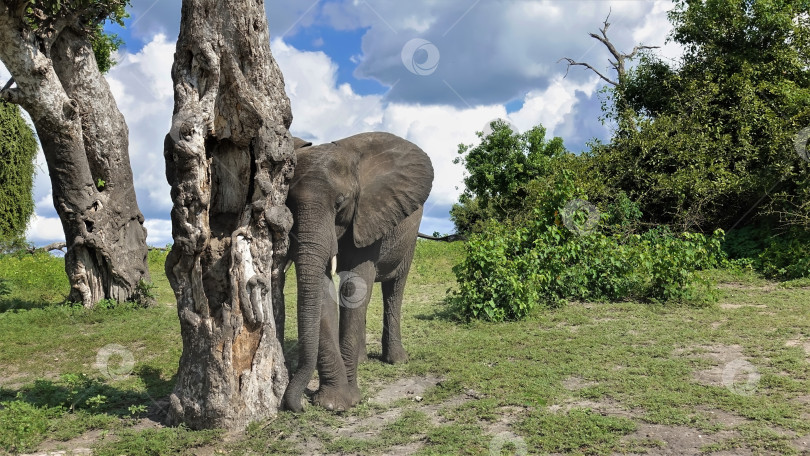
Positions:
{"x": 619, "y": 64}
{"x": 229, "y": 159}
{"x": 47, "y": 50}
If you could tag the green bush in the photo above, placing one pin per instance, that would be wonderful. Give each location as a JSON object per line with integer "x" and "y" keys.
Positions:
{"x": 514, "y": 267}
{"x": 24, "y": 425}
{"x": 5, "y": 289}
{"x": 787, "y": 256}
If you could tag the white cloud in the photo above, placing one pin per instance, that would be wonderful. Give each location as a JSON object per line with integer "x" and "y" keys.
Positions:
{"x": 44, "y": 230}
{"x": 550, "y": 106}
{"x": 158, "y": 232}
{"x": 495, "y": 53}
{"x": 655, "y": 30}
{"x": 142, "y": 86}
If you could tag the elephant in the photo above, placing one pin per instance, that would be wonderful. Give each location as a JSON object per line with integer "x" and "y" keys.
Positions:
{"x": 357, "y": 204}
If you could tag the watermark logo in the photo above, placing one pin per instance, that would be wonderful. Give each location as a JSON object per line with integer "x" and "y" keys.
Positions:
{"x": 350, "y": 292}
{"x": 353, "y": 290}
{"x": 508, "y": 441}
{"x": 741, "y": 377}
{"x": 420, "y": 57}
{"x": 489, "y": 128}
{"x": 114, "y": 362}
{"x": 580, "y": 217}
{"x": 801, "y": 144}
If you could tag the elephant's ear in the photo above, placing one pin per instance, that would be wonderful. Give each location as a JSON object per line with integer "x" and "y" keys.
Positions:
{"x": 395, "y": 178}
{"x": 299, "y": 143}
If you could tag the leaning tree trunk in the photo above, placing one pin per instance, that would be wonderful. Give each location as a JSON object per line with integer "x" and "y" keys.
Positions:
{"x": 85, "y": 141}
{"x": 229, "y": 159}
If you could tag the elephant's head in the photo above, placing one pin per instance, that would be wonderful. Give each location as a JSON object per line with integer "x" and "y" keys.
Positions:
{"x": 362, "y": 187}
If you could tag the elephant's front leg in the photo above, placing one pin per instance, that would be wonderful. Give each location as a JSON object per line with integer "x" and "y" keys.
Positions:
{"x": 333, "y": 392}
{"x": 355, "y": 293}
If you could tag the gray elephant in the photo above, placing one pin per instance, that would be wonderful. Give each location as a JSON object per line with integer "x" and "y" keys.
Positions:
{"x": 357, "y": 204}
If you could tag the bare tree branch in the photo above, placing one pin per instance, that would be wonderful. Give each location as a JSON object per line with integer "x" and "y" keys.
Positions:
{"x": 571, "y": 63}
{"x": 620, "y": 58}
{"x": 54, "y": 246}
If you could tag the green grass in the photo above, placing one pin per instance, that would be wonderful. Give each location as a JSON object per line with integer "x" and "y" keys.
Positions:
{"x": 581, "y": 379}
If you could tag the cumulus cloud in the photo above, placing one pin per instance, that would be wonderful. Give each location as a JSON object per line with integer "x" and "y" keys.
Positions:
{"x": 491, "y": 53}
{"x": 142, "y": 86}
{"x": 44, "y": 230}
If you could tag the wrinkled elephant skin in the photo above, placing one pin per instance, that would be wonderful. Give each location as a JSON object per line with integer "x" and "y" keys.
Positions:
{"x": 359, "y": 199}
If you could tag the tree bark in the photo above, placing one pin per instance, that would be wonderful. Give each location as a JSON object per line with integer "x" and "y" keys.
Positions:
{"x": 85, "y": 141}
{"x": 229, "y": 159}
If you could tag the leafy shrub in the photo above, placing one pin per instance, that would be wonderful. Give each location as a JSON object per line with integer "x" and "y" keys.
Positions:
{"x": 746, "y": 242}
{"x": 512, "y": 268}
{"x": 24, "y": 425}
{"x": 5, "y": 289}
{"x": 144, "y": 295}
{"x": 499, "y": 171}
{"x": 786, "y": 257}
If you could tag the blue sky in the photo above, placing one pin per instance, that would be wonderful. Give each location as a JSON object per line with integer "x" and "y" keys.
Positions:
{"x": 432, "y": 72}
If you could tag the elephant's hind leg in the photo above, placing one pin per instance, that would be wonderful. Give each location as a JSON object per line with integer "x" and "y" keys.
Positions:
{"x": 392, "y": 350}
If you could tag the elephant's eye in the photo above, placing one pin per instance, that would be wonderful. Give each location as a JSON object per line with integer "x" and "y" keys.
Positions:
{"x": 340, "y": 199}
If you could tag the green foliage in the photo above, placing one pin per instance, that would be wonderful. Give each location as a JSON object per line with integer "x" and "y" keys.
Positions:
{"x": 5, "y": 289}
{"x": 136, "y": 410}
{"x": 88, "y": 16}
{"x": 711, "y": 137}
{"x": 104, "y": 46}
{"x": 41, "y": 14}
{"x": 787, "y": 256}
{"x": 499, "y": 170}
{"x": 514, "y": 267}
{"x": 746, "y": 242}
{"x": 24, "y": 425}
{"x": 144, "y": 295}
{"x": 18, "y": 149}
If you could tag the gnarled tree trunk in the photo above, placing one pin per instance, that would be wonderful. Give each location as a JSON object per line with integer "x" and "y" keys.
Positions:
{"x": 229, "y": 159}
{"x": 85, "y": 141}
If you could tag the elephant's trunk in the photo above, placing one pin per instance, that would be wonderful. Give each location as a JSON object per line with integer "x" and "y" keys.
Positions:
{"x": 316, "y": 245}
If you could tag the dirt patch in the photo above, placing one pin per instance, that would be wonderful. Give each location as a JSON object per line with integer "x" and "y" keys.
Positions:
{"x": 729, "y": 306}
{"x": 410, "y": 388}
{"x": 745, "y": 287}
{"x": 81, "y": 445}
{"x": 75, "y": 451}
{"x": 803, "y": 343}
{"x": 722, "y": 417}
{"x": 367, "y": 427}
{"x": 679, "y": 440}
{"x": 604, "y": 407}
{"x": 574, "y": 383}
{"x": 78, "y": 446}
{"x": 732, "y": 369}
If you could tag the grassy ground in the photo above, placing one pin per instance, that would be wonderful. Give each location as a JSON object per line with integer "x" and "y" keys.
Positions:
{"x": 589, "y": 378}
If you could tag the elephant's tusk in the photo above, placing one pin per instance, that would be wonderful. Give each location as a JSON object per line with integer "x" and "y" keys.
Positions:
{"x": 287, "y": 266}
{"x": 334, "y": 265}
